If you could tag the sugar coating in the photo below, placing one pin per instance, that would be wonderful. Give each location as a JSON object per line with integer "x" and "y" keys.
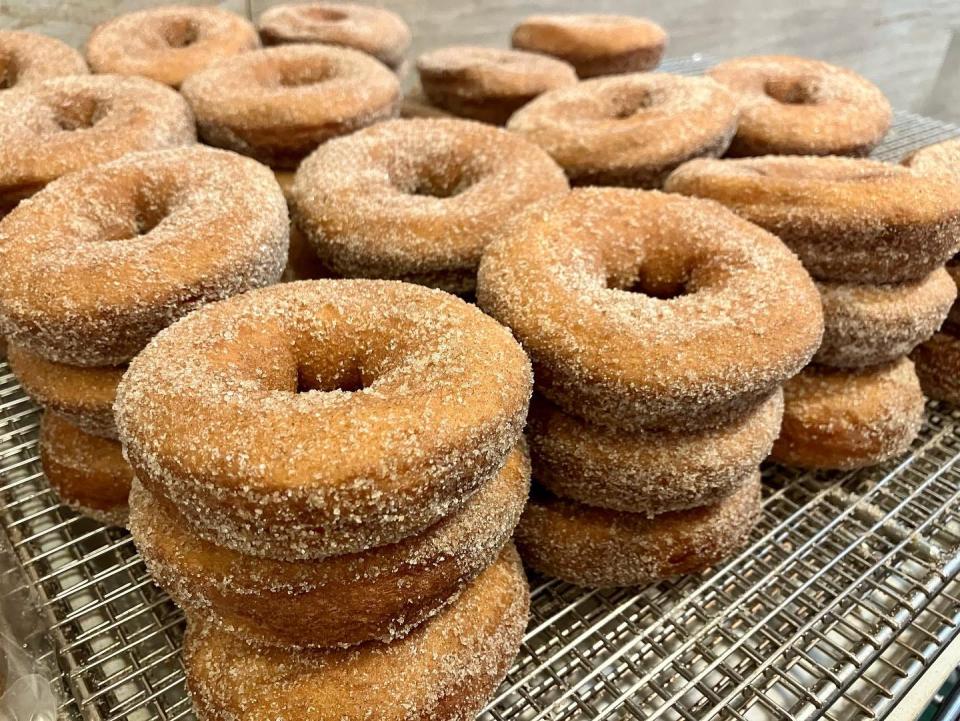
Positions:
{"x": 631, "y": 129}
{"x": 280, "y": 103}
{"x": 168, "y": 43}
{"x": 27, "y": 58}
{"x": 843, "y": 419}
{"x": 648, "y": 472}
{"x": 797, "y": 106}
{"x": 598, "y": 547}
{"x": 410, "y": 400}
{"x": 444, "y": 670}
{"x": 850, "y": 220}
{"x": 938, "y": 366}
{"x": 418, "y": 200}
{"x": 745, "y": 315}
{"x": 99, "y": 261}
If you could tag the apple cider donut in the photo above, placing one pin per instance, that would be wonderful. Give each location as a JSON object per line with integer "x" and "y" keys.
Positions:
{"x": 850, "y": 220}
{"x": 850, "y": 418}
{"x": 323, "y": 417}
{"x": 589, "y": 546}
{"x": 379, "y": 594}
{"x": 65, "y": 124}
{"x": 278, "y": 104}
{"x": 168, "y": 43}
{"x": 374, "y": 31}
{"x": 798, "y": 106}
{"x": 938, "y": 366}
{"x": 647, "y": 472}
{"x": 88, "y": 472}
{"x": 488, "y": 84}
{"x": 82, "y": 396}
{"x": 445, "y": 670}
{"x": 594, "y": 44}
{"x": 29, "y": 58}
{"x": 872, "y": 324}
{"x": 616, "y": 294}
{"x": 418, "y": 200}
{"x": 101, "y": 259}
{"x": 629, "y": 129}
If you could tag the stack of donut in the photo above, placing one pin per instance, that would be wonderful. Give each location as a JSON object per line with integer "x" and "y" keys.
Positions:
{"x": 328, "y": 476}
{"x": 660, "y": 333}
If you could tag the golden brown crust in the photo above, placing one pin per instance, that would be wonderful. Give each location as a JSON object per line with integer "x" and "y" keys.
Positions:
{"x": 278, "y": 104}
{"x": 560, "y": 278}
{"x": 29, "y": 58}
{"x": 798, "y": 106}
{"x": 443, "y": 671}
{"x": 82, "y": 396}
{"x": 938, "y": 366}
{"x": 168, "y": 43}
{"x": 418, "y": 200}
{"x": 88, "y": 473}
{"x": 594, "y": 44}
{"x": 850, "y": 220}
{"x": 630, "y": 130}
{"x": 590, "y": 546}
{"x": 846, "y": 419}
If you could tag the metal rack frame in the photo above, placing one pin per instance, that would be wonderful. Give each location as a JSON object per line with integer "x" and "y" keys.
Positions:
{"x": 846, "y": 594}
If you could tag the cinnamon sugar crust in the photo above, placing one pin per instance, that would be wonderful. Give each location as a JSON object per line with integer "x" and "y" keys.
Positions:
{"x": 28, "y": 58}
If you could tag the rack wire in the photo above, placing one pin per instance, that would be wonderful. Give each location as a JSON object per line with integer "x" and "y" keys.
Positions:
{"x": 846, "y": 594}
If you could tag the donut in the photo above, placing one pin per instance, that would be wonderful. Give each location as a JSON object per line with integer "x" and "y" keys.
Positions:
{"x": 378, "y": 594}
{"x": 647, "y": 472}
{"x": 29, "y": 58}
{"x": 168, "y": 43}
{"x": 323, "y": 417}
{"x": 58, "y": 126}
{"x": 937, "y": 159}
{"x": 798, "y": 106}
{"x": 938, "y": 366}
{"x": 278, "y": 104}
{"x": 850, "y": 220}
{"x": 302, "y": 262}
{"x": 418, "y": 200}
{"x": 488, "y": 84}
{"x": 443, "y": 671}
{"x": 842, "y": 419}
{"x": 196, "y": 225}
{"x": 594, "y": 44}
{"x": 87, "y": 472}
{"x": 617, "y": 294}
{"x": 629, "y": 130}
{"x": 598, "y": 547}
{"x": 374, "y": 31}
{"x": 872, "y": 324}
{"x": 81, "y": 396}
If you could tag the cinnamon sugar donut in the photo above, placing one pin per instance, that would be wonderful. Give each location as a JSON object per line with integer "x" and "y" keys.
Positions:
{"x": 418, "y": 200}
{"x": 323, "y": 417}
{"x": 937, "y": 159}
{"x": 82, "y": 396}
{"x": 302, "y": 262}
{"x": 630, "y": 129}
{"x": 798, "y": 106}
{"x": 589, "y": 546}
{"x": 88, "y": 472}
{"x": 846, "y": 419}
{"x": 374, "y": 31}
{"x": 488, "y": 84}
{"x": 57, "y": 126}
{"x": 616, "y": 295}
{"x": 849, "y": 220}
{"x": 29, "y": 58}
{"x": 594, "y": 44}
{"x": 380, "y": 594}
{"x": 647, "y": 472}
{"x": 873, "y": 324}
{"x": 278, "y": 104}
{"x": 938, "y": 366}
{"x": 168, "y": 43}
{"x": 443, "y": 671}
{"x": 101, "y": 259}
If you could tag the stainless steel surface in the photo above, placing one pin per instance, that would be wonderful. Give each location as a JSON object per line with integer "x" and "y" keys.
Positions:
{"x": 847, "y": 592}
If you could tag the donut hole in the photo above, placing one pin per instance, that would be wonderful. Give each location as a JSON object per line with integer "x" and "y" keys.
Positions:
{"x": 8, "y": 71}
{"x": 350, "y": 381}
{"x": 662, "y": 283}
{"x": 181, "y": 33}
{"x": 659, "y": 289}
{"x": 300, "y": 75}
{"x": 80, "y": 113}
{"x": 631, "y": 101}
{"x": 442, "y": 188}
{"x": 325, "y": 15}
{"x": 793, "y": 91}
{"x": 435, "y": 178}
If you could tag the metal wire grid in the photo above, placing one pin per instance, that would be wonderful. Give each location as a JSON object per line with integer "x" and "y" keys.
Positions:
{"x": 847, "y": 592}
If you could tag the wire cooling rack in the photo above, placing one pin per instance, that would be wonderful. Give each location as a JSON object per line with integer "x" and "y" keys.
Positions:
{"x": 846, "y": 595}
